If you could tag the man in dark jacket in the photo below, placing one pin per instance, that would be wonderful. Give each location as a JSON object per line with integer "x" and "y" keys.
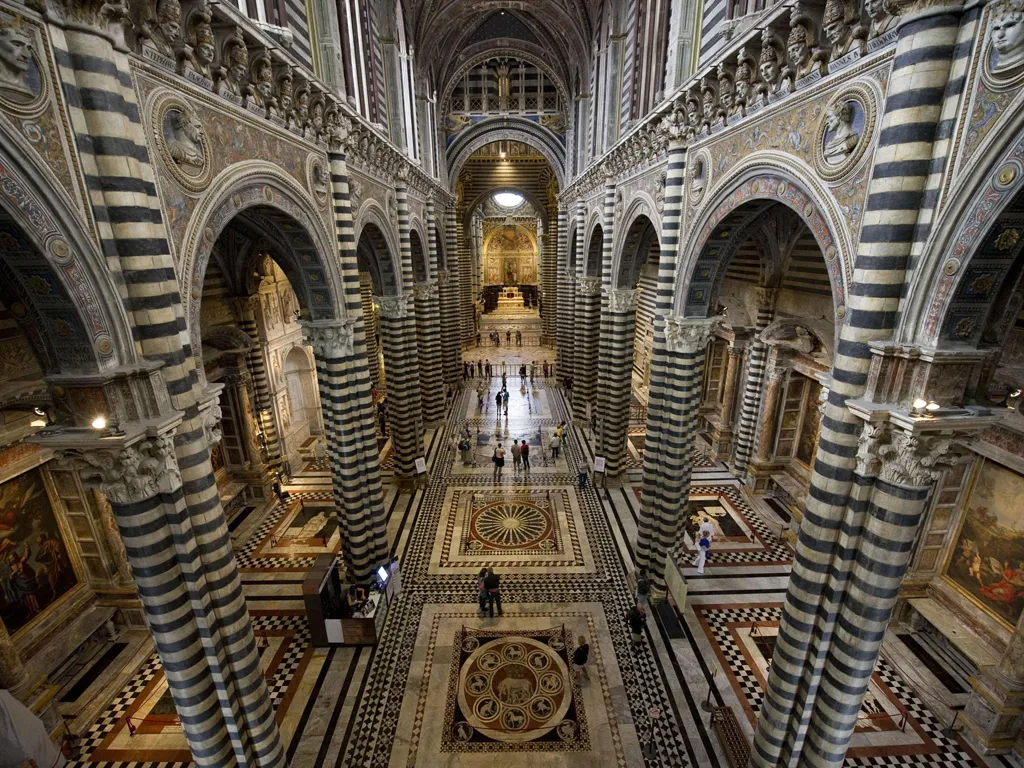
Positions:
{"x": 492, "y": 583}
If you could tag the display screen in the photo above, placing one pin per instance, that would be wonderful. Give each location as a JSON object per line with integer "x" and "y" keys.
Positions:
{"x": 383, "y": 574}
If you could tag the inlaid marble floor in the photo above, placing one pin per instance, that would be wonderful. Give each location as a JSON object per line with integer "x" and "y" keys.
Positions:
{"x": 450, "y": 686}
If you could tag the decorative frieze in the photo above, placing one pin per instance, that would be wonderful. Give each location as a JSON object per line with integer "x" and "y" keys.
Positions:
{"x": 623, "y": 300}
{"x": 688, "y": 336}
{"x": 126, "y": 474}
{"x": 330, "y": 339}
{"x": 393, "y": 307}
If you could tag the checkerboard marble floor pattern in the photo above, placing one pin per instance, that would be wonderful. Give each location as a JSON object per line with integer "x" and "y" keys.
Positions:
{"x": 386, "y": 705}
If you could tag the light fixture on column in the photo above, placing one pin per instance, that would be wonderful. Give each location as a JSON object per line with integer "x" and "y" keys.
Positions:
{"x": 919, "y": 406}
{"x": 932, "y": 407}
{"x": 100, "y": 422}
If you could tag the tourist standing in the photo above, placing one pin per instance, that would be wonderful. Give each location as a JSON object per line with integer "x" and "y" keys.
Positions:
{"x": 554, "y": 445}
{"x": 580, "y": 657}
{"x": 508, "y": 337}
{"x": 497, "y": 401}
{"x": 545, "y": 368}
{"x": 487, "y": 368}
{"x": 505, "y": 392}
{"x": 703, "y": 547}
{"x": 492, "y": 583}
{"x": 533, "y": 371}
{"x": 524, "y": 451}
{"x": 499, "y": 462}
{"x": 516, "y": 458}
{"x": 636, "y": 618}
{"x": 481, "y": 590}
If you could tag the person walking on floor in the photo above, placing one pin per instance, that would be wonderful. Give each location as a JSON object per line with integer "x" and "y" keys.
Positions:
{"x": 487, "y": 368}
{"x": 492, "y": 583}
{"x": 636, "y": 618}
{"x": 545, "y": 369}
{"x": 516, "y": 458}
{"x": 533, "y": 371}
{"x": 508, "y": 337}
{"x": 524, "y": 452}
{"x": 497, "y": 401}
{"x": 481, "y": 590}
{"x": 580, "y": 657}
{"x": 554, "y": 444}
{"x": 506, "y": 402}
{"x": 499, "y": 462}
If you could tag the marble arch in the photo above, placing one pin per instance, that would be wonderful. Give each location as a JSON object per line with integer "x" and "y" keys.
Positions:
{"x": 85, "y": 292}
{"x": 282, "y": 204}
{"x": 420, "y": 258}
{"x": 522, "y": 50}
{"x": 758, "y": 185}
{"x": 594, "y": 256}
{"x": 641, "y": 209}
{"x": 382, "y": 244}
{"x": 939, "y": 297}
{"x": 508, "y": 128}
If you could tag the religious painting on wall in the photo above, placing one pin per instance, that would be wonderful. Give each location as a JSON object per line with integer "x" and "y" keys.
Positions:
{"x": 35, "y": 569}
{"x": 987, "y": 562}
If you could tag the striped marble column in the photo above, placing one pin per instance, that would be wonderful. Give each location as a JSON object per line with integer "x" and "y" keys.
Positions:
{"x": 183, "y": 561}
{"x": 809, "y": 639}
{"x": 370, "y": 326}
{"x": 467, "y": 312}
{"x": 401, "y": 358}
{"x": 753, "y": 382}
{"x": 448, "y": 281}
{"x": 582, "y": 307}
{"x": 428, "y": 330}
{"x": 615, "y": 376}
{"x": 588, "y": 329}
{"x": 343, "y": 376}
{"x": 566, "y": 298}
{"x": 677, "y": 373}
{"x": 246, "y": 308}
{"x": 549, "y": 277}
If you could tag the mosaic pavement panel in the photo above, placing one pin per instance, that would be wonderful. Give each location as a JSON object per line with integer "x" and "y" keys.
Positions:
{"x": 742, "y": 537}
{"x": 894, "y": 723}
{"x": 535, "y": 530}
{"x": 287, "y": 657}
{"x": 507, "y": 687}
{"x": 276, "y": 545}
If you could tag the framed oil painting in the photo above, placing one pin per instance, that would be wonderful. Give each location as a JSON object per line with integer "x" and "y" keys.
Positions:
{"x": 987, "y": 562}
{"x": 35, "y": 569}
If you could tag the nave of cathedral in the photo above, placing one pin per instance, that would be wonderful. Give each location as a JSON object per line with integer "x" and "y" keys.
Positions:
{"x": 573, "y": 382}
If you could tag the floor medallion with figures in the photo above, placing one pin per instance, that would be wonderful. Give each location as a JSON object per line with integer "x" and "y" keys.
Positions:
{"x": 511, "y": 691}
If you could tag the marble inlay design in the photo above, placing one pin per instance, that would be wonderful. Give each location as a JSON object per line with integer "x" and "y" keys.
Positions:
{"x": 512, "y": 688}
{"x": 533, "y": 531}
{"x": 893, "y": 723}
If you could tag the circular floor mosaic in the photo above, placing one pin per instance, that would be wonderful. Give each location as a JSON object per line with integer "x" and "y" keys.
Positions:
{"x": 513, "y": 689}
{"x": 511, "y": 525}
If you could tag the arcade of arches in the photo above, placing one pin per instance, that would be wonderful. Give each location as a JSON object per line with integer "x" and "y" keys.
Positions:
{"x": 586, "y": 383}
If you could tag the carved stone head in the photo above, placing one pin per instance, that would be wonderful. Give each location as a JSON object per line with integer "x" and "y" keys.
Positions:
{"x": 835, "y": 25}
{"x": 1008, "y": 36}
{"x": 769, "y": 65}
{"x": 264, "y": 74}
{"x": 237, "y": 60}
{"x": 168, "y": 19}
{"x": 797, "y": 47}
{"x": 15, "y": 54}
{"x": 708, "y": 100}
{"x": 284, "y": 91}
{"x": 205, "y": 48}
{"x": 725, "y": 89}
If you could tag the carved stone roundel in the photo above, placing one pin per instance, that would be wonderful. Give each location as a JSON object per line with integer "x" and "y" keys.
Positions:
{"x": 845, "y": 132}
{"x": 23, "y": 84}
{"x": 181, "y": 142}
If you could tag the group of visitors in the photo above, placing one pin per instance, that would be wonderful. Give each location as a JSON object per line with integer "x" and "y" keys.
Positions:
{"x": 488, "y": 585}
{"x": 501, "y": 399}
{"x": 482, "y": 369}
{"x": 520, "y": 459}
{"x": 555, "y": 443}
{"x": 495, "y": 338}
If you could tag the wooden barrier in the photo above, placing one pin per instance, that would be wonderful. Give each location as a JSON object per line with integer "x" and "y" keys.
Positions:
{"x": 727, "y": 727}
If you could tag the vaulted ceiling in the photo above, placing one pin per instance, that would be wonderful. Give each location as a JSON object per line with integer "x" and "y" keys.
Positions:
{"x": 447, "y": 32}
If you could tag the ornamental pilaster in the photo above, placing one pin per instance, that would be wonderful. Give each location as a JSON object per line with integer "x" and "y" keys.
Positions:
{"x": 623, "y": 300}
{"x": 393, "y": 307}
{"x": 330, "y": 339}
{"x": 688, "y": 336}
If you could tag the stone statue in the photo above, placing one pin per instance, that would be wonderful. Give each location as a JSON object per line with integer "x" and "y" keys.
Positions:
{"x": 301, "y": 110}
{"x": 15, "y": 58}
{"x": 726, "y": 92}
{"x": 800, "y": 61}
{"x": 743, "y": 83}
{"x": 263, "y": 90}
{"x": 770, "y": 65}
{"x": 692, "y": 115}
{"x": 882, "y": 16}
{"x": 837, "y": 28}
{"x": 709, "y": 102}
{"x": 284, "y": 93}
{"x": 1008, "y": 37}
{"x": 698, "y": 178}
{"x": 164, "y": 31}
{"x": 186, "y": 146}
{"x": 235, "y": 76}
{"x": 205, "y": 47}
{"x": 316, "y": 117}
{"x": 839, "y": 122}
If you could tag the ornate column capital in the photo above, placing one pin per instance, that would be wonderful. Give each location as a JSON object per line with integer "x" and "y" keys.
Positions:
{"x": 910, "y": 450}
{"x": 330, "y": 338}
{"x": 128, "y": 465}
{"x": 688, "y": 335}
{"x": 211, "y": 413}
{"x": 393, "y": 307}
{"x": 425, "y": 290}
{"x": 443, "y": 277}
{"x": 623, "y": 300}
{"x": 588, "y": 286}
